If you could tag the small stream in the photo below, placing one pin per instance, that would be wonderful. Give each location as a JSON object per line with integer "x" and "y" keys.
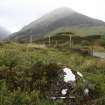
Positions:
{"x": 99, "y": 54}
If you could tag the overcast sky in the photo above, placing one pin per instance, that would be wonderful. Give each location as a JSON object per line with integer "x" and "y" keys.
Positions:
{"x": 14, "y": 14}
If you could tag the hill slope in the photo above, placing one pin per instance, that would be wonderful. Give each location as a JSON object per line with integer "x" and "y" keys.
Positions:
{"x": 62, "y": 17}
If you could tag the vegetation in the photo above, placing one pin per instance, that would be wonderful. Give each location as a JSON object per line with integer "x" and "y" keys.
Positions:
{"x": 25, "y": 73}
{"x": 103, "y": 40}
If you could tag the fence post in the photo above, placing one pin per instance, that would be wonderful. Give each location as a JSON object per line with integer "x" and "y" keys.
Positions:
{"x": 30, "y": 39}
{"x": 49, "y": 40}
{"x": 70, "y": 41}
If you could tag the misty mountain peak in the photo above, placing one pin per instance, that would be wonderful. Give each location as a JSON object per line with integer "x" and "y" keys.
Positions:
{"x": 61, "y": 17}
{"x": 51, "y": 17}
{"x": 62, "y": 11}
{"x": 65, "y": 9}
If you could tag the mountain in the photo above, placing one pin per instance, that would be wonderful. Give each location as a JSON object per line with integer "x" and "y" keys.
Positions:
{"x": 3, "y": 33}
{"x": 62, "y": 18}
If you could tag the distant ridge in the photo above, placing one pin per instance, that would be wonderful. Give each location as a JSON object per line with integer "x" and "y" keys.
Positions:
{"x": 3, "y": 33}
{"x": 61, "y": 17}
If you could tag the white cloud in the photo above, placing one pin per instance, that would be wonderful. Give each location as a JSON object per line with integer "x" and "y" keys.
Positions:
{"x": 14, "y": 14}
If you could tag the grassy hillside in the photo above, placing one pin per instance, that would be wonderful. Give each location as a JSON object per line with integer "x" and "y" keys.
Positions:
{"x": 17, "y": 60}
{"x": 63, "y": 40}
{"x": 77, "y": 30}
{"x": 81, "y": 30}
